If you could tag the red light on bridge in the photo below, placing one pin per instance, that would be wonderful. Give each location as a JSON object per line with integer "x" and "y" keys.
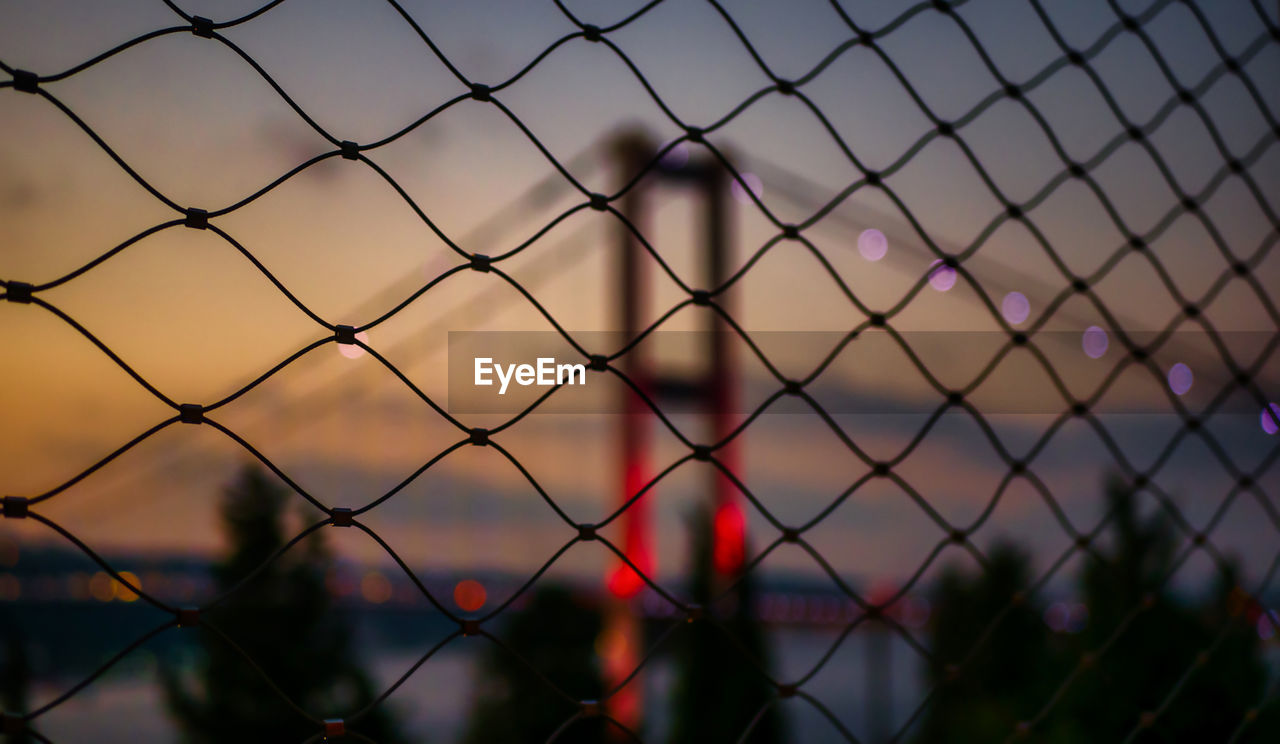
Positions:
{"x": 469, "y": 595}
{"x": 624, "y": 582}
{"x": 729, "y": 530}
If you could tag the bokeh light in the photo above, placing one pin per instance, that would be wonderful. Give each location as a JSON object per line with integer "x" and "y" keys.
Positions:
{"x": 353, "y": 351}
{"x": 677, "y": 157}
{"x": 469, "y": 595}
{"x": 1066, "y": 617}
{"x": 78, "y": 586}
{"x": 156, "y": 582}
{"x": 10, "y": 588}
{"x": 123, "y": 592}
{"x": 729, "y": 528}
{"x": 9, "y": 552}
{"x": 872, "y": 244}
{"x": 1055, "y": 616}
{"x": 1267, "y": 622}
{"x": 375, "y": 587}
{"x": 1077, "y": 619}
{"x": 915, "y": 612}
{"x": 941, "y": 277}
{"x": 611, "y": 644}
{"x": 101, "y": 587}
{"x": 1180, "y": 378}
{"x": 753, "y": 182}
{"x": 1015, "y": 308}
{"x": 1271, "y": 418}
{"x": 1094, "y": 340}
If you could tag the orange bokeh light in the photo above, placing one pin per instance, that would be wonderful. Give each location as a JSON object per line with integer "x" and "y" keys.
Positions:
{"x": 123, "y": 592}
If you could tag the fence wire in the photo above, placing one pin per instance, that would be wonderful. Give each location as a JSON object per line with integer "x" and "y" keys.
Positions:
{"x": 1242, "y": 376}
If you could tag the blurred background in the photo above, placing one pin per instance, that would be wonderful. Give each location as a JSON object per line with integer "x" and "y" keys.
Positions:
{"x": 1012, "y": 568}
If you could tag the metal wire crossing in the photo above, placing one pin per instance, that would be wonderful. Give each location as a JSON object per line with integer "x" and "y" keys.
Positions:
{"x": 1239, "y": 262}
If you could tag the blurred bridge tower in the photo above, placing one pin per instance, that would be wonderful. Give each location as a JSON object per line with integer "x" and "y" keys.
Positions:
{"x": 713, "y": 393}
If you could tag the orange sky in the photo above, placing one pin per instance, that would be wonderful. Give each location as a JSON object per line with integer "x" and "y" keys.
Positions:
{"x": 196, "y": 319}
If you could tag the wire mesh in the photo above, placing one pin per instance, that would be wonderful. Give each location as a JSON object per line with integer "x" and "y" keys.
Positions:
{"x": 1239, "y": 265}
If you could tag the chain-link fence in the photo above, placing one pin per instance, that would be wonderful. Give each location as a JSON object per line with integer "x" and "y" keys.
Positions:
{"x": 1248, "y": 60}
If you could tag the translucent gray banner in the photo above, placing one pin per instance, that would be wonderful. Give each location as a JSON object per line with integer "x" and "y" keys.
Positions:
{"x": 874, "y": 372}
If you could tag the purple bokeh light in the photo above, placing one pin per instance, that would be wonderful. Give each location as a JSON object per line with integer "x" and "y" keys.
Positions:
{"x": 1066, "y": 617}
{"x": 1056, "y": 617}
{"x": 1078, "y": 619}
{"x": 1094, "y": 340}
{"x": 915, "y": 612}
{"x": 941, "y": 277}
{"x": 1015, "y": 308}
{"x": 677, "y": 157}
{"x": 753, "y": 182}
{"x": 1271, "y": 418}
{"x": 1180, "y": 378}
{"x": 872, "y": 244}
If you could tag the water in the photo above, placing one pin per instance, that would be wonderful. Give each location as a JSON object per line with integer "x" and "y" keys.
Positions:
{"x": 433, "y": 703}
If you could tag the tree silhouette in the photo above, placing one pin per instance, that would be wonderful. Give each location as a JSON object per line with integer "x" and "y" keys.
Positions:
{"x": 1139, "y": 643}
{"x": 1012, "y": 674}
{"x": 1163, "y": 641}
{"x": 284, "y": 620}
{"x": 15, "y": 677}
{"x": 718, "y": 692}
{"x": 556, "y": 635}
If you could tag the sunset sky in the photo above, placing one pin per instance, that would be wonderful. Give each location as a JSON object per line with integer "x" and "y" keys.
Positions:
{"x": 196, "y": 319}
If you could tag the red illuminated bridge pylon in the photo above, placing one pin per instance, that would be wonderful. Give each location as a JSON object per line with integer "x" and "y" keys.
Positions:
{"x": 713, "y": 389}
